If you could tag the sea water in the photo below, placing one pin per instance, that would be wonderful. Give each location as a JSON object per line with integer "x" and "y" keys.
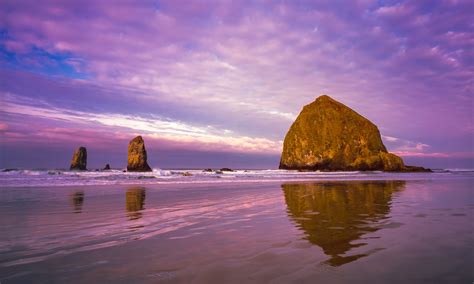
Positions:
{"x": 42, "y": 177}
{"x": 236, "y": 227}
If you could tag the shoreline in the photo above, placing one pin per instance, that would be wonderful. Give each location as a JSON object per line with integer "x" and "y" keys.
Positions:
{"x": 233, "y": 180}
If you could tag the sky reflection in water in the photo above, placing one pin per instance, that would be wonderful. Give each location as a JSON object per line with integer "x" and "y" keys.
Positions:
{"x": 239, "y": 232}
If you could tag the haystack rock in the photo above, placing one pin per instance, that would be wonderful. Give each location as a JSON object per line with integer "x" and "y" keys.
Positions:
{"x": 330, "y": 136}
{"x": 79, "y": 160}
{"x": 137, "y": 158}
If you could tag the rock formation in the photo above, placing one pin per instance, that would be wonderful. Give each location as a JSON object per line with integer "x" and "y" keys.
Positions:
{"x": 106, "y": 168}
{"x": 79, "y": 160}
{"x": 328, "y": 135}
{"x": 137, "y": 158}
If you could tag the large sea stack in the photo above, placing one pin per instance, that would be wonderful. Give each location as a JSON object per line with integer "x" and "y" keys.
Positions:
{"x": 137, "y": 159}
{"x": 330, "y": 136}
{"x": 79, "y": 160}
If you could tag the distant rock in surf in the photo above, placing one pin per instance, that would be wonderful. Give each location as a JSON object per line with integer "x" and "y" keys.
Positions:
{"x": 330, "y": 136}
{"x": 226, "y": 170}
{"x": 9, "y": 170}
{"x": 79, "y": 159}
{"x": 415, "y": 169}
{"x": 106, "y": 168}
{"x": 137, "y": 157}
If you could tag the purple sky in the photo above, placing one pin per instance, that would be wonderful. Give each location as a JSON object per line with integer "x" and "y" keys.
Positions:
{"x": 218, "y": 83}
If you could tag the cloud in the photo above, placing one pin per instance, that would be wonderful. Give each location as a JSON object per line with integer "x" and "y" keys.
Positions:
{"x": 245, "y": 67}
{"x": 407, "y": 148}
{"x": 157, "y": 128}
{"x": 413, "y": 146}
{"x": 424, "y": 155}
{"x": 397, "y": 10}
{"x": 3, "y": 127}
{"x": 390, "y": 138}
{"x": 403, "y": 145}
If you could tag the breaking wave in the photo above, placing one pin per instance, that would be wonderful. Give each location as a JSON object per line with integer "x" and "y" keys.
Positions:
{"x": 45, "y": 177}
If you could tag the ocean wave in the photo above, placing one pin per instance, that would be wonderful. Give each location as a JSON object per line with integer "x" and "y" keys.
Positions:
{"x": 460, "y": 170}
{"x": 59, "y": 177}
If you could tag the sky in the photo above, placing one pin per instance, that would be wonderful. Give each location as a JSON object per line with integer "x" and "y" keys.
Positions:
{"x": 219, "y": 83}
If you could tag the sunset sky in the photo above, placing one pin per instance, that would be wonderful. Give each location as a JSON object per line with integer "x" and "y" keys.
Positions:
{"x": 218, "y": 83}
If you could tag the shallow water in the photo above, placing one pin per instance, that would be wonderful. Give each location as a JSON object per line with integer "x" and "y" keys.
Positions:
{"x": 332, "y": 231}
{"x": 49, "y": 178}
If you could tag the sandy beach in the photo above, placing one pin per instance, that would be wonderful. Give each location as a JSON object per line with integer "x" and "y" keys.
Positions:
{"x": 368, "y": 230}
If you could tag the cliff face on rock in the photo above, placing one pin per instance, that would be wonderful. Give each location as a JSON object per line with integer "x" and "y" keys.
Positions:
{"x": 137, "y": 158}
{"x": 328, "y": 135}
{"x": 79, "y": 159}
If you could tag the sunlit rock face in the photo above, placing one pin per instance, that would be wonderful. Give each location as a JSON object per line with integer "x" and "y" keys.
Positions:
{"x": 137, "y": 157}
{"x": 338, "y": 216}
{"x": 328, "y": 135}
{"x": 79, "y": 159}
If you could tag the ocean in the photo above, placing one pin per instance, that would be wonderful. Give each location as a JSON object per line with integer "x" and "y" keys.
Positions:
{"x": 246, "y": 226}
{"x": 61, "y": 177}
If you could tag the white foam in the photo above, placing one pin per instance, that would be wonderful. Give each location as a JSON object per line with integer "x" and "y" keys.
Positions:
{"x": 34, "y": 178}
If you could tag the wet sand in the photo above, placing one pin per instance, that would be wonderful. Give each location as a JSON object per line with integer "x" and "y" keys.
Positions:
{"x": 388, "y": 231}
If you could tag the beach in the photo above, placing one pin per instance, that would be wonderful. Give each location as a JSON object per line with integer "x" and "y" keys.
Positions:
{"x": 379, "y": 227}
{"x": 236, "y": 142}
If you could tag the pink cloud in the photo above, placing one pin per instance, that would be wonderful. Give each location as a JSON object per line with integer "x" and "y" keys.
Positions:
{"x": 421, "y": 154}
{"x": 465, "y": 155}
{"x": 250, "y": 67}
{"x": 397, "y": 10}
{"x": 3, "y": 126}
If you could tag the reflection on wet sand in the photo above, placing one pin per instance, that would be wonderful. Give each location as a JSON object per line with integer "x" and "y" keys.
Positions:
{"x": 334, "y": 216}
{"x": 135, "y": 202}
{"x": 77, "y": 200}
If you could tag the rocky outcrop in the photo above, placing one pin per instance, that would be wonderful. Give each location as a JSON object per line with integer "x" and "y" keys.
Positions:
{"x": 328, "y": 135}
{"x": 137, "y": 157}
{"x": 79, "y": 159}
{"x": 106, "y": 168}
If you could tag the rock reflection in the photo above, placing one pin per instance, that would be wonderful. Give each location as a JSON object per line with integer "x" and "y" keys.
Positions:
{"x": 334, "y": 216}
{"x": 77, "y": 200}
{"x": 135, "y": 202}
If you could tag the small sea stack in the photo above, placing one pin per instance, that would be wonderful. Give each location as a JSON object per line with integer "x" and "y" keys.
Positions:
{"x": 106, "y": 168}
{"x": 329, "y": 136}
{"x": 79, "y": 160}
{"x": 137, "y": 157}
